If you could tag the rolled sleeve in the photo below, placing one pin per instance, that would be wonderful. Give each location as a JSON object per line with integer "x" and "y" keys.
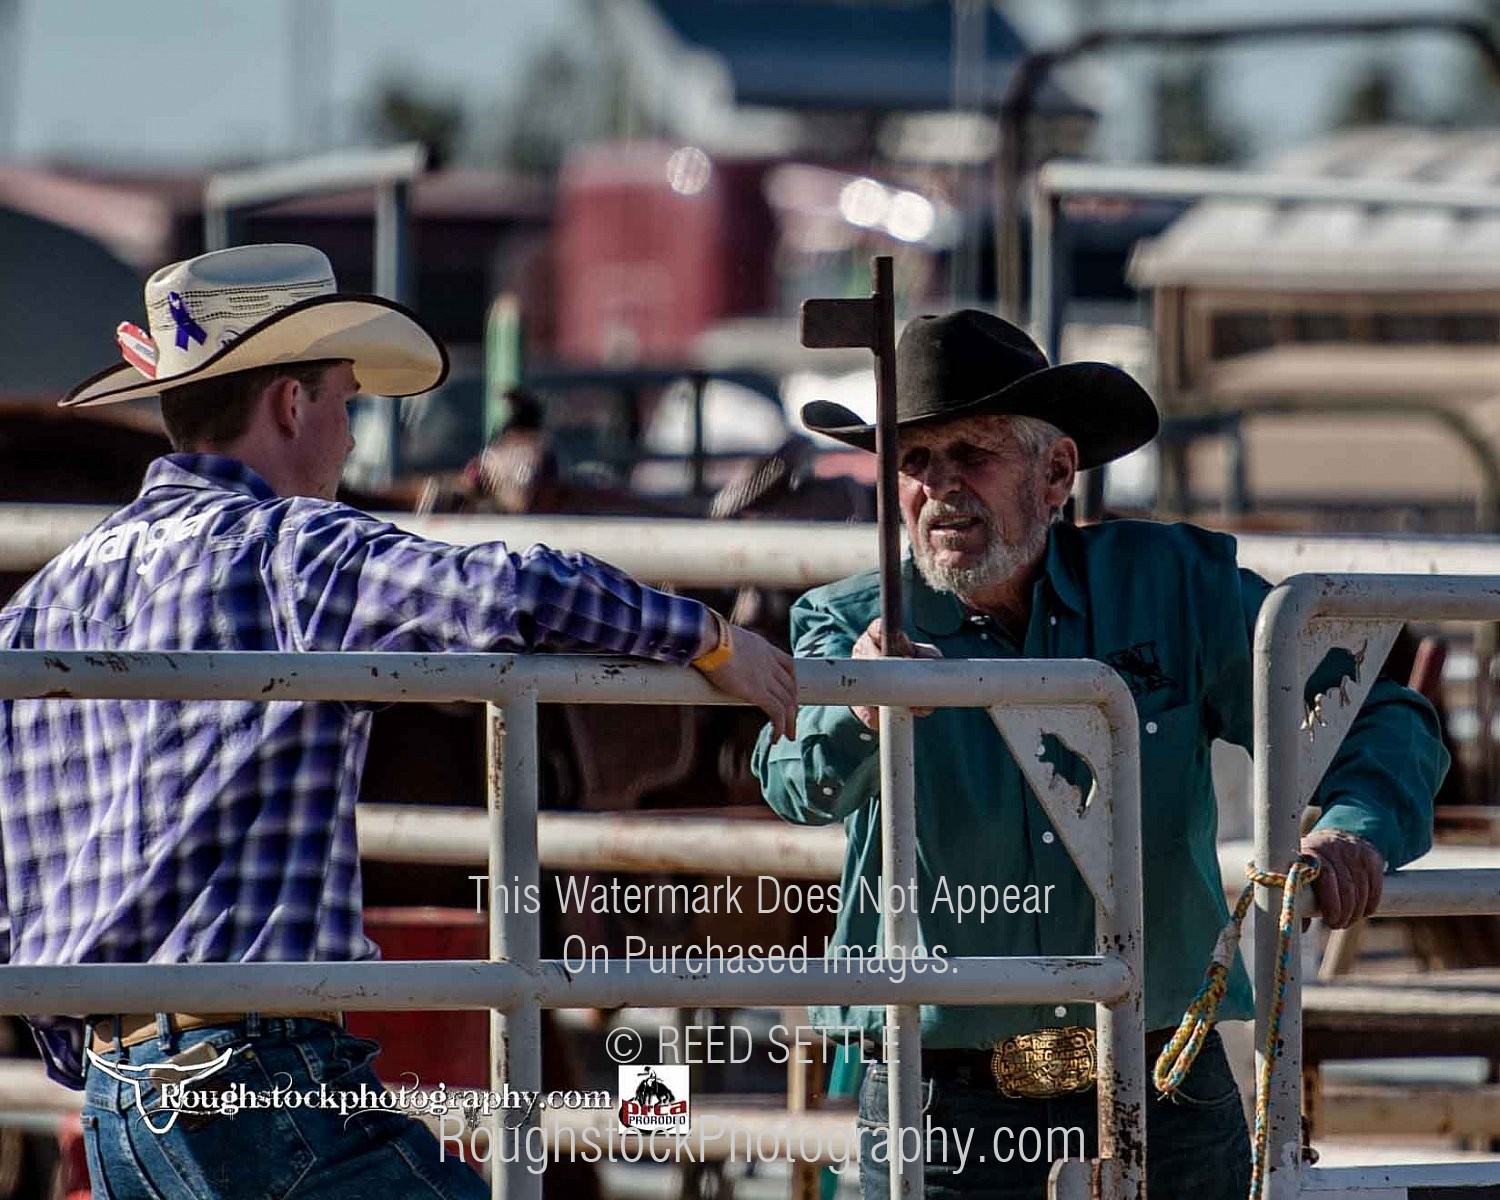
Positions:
{"x": 356, "y": 583}
{"x": 832, "y": 767}
{"x": 1383, "y": 779}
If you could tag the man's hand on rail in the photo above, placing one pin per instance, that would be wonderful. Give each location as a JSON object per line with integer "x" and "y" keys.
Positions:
{"x": 870, "y": 645}
{"x": 760, "y": 674}
{"x": 1349, "y": 885}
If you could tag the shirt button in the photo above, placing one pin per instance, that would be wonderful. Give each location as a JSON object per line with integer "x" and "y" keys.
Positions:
{"x": 1060, "y": 1011}
{"x": 867, "y": 736}
{"x": 1150, "y": 726}
{"x": 827, "y": 791}
{"x": 1047, "y": 837}
{"x": 1052, "y": 621}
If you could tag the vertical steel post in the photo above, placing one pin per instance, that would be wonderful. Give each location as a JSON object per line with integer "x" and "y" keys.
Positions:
{"x": 699, "y": 462}
{"x": 1123, "y": 1076}
{"x": 1045, "y": 211}
{"x": 1010, "y": 165}
{"x": 901, "y": 936}
{"x": 1279, "y": 680}
{"x": 1051, "y": 289}
{"x": 393, "y": 281}
{"x": 216, "y": 222}
{"x": 515, "y": 1036}
{"x": 887, "y": 452}
{"x": 969, "y": 24}
{"x": 872, "y": 323}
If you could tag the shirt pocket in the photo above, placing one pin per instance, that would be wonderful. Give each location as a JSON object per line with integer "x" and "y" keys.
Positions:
{"x": 1174, "y": 758}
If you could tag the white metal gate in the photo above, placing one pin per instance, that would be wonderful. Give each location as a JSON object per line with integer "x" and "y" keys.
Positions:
{"x": 1301, "y": 621}
{"x": 1084, "y": 704}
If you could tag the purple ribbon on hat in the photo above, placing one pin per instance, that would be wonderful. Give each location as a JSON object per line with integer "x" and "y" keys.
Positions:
{"x": 187, "y": 328}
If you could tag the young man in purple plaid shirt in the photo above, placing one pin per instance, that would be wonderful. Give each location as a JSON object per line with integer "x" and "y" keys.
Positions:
{"x": 160, "y": 831}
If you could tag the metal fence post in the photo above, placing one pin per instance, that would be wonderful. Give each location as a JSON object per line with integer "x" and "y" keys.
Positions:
{"x": 1123, "y": 1090}
{"x": 902, "y": 936}
{"x": 1278, "y": 719}
{"x": 1045, "y": 315}
{"x": 393, "y": 281}
{"x": 516, "y": 1035}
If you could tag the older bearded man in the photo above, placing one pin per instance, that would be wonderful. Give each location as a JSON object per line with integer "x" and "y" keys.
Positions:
{"x": 991, "y": 439}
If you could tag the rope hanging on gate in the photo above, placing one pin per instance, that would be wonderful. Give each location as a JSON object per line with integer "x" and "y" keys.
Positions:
{"x": 1176, "y": 1058}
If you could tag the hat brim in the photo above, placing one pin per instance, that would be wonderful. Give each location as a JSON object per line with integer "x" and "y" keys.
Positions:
{"x": 1098, "y": 405}
{"x": 393, "y": 352}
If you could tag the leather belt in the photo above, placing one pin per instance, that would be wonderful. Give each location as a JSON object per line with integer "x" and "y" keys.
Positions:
{"x": 1041, "y": 1065}
{"x": 135, "y": 1028}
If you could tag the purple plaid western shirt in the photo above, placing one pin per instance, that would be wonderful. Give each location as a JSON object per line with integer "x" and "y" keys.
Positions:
{"x": 208, "y": 831}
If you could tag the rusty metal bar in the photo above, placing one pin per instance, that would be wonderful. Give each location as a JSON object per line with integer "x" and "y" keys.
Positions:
{"x": 515, "y": 935}
{"x": 902, "y": 936}
{"x": 556, "y": 679}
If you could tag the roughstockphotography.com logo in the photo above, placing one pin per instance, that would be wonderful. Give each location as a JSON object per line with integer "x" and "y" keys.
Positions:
{"x": 168, "y": 1077}
{"x": 654, "y": 1099}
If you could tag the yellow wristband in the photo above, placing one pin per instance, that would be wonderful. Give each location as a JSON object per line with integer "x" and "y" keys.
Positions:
{"x": 712, "y": 660}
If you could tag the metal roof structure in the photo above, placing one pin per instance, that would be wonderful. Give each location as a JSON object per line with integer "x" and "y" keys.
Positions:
{"x": 880, "y": 55}
{"x": 1333, "y": 246}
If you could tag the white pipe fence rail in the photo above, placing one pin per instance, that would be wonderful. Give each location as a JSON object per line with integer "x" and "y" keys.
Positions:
{"x": 1083, "y": 703}
{"x": 714, "y": 846}
{"x": 788, "y": 554}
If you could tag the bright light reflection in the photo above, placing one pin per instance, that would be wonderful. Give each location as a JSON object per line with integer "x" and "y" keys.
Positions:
{"x": 864, "y": 202}
{"x": 688, "y": 171}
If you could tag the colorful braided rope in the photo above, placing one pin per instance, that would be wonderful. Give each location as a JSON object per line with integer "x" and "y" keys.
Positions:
{"x": 1176, "y": 1058}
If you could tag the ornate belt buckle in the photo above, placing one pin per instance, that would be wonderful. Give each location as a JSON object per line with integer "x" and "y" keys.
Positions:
{"x": 1046, "y": 1064}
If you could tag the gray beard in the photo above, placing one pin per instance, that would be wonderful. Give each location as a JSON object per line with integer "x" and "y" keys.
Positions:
{"x": 1002, "y": 560}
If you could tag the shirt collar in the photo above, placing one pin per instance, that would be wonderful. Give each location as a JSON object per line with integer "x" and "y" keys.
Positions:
{"x": 1062, "y": 570}
{"x": 206, "y": 471}
{"x": 941, "y": 613}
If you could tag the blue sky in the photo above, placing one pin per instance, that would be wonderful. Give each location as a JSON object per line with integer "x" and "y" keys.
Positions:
{"x": 189, "y": 80}
{"x": 198, "y": 82}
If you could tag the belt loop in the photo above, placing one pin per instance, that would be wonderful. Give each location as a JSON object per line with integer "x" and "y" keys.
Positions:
{"x": 252, "y": 1024}
{"x": 164, "y": 1033}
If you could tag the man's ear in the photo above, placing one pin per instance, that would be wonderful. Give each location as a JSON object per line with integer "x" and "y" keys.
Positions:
{"x": 1059, "y": 469}
{"x": 286, "y": 399}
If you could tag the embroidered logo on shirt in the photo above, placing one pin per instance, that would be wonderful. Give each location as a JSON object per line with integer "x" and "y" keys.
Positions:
{"x": 1141, "y": 668}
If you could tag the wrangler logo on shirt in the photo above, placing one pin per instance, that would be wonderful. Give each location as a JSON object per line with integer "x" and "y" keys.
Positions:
{"x": 111, "y": 544}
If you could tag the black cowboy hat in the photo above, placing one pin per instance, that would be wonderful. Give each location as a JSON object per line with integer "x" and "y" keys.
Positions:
{"x": 969, "y": 363}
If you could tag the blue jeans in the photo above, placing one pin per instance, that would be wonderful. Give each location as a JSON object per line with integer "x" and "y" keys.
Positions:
{"x": 263, "y": 1153}
{"x": 1197, "y": 1144}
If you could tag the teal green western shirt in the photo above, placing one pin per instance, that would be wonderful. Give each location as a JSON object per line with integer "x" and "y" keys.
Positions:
{"x": 1167, "y": 607}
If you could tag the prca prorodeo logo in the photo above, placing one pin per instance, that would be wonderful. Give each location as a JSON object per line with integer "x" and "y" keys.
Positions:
{"x": 654, "y": 1099}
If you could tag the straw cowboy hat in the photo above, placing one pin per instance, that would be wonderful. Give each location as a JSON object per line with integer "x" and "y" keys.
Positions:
{"x": 969, "y": 363}
{"x": 261, "y": 306}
